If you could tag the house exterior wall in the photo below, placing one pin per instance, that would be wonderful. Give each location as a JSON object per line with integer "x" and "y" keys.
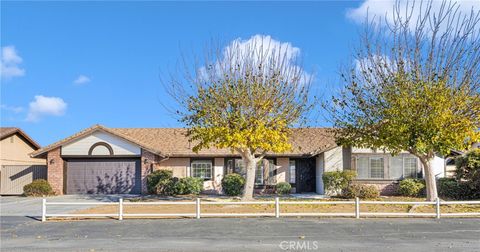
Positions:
{"x": 214, "y": 186}
{"x": 179, "y": 166}
{"x": 14, "y": 150}
{"x": 147, "y": 162}
{"x": 333, "y": 159}
{"x": 283, "y": 171}
{"x": 320, "y": 168}
{"x": 385, "y": 187}
{"x": 55, "y": 170}
{"x": 438, "y": 166}
{"x": 83, "y": 145}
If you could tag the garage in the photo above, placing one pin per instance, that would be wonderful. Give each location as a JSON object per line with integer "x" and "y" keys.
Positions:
{"x": 103, "y": 176}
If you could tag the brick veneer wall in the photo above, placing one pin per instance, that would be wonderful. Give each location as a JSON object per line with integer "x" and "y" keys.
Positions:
{"x": 148, "y": 161}
{"x": 386, "y": 188}
{"x": 55, "y": 170}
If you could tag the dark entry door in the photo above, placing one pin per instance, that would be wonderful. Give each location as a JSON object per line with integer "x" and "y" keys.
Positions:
{"x": 103, "y": 176}
{"x": 305, "y": 175}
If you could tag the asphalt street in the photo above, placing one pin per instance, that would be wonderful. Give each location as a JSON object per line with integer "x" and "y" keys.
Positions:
{"x": 241, "y": 234}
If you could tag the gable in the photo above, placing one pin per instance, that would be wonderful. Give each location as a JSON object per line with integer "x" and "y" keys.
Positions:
{"x": 100, "y": 143}
{"x": 14, "y": 150}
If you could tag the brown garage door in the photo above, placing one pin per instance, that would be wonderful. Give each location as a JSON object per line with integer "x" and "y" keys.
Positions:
{"x": 103, "y": 176}
{"x": 14, "y": 177}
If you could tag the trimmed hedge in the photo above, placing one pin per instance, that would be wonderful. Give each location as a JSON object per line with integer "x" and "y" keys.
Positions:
{"x": 411, "y": 187}
{"x": 161, "y": 182}
{"x": 232, "y": 184}
{"x": 188, "y": 185}
{"x": 335, "y": 181}
{"x": 154, "y": 179}
{"x": 361, "y": 191}
{"x": 38, "y": 187}
{"x": 283, "y": 188}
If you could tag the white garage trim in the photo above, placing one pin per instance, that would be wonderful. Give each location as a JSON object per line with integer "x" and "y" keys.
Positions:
{"x": 81, "y": 147}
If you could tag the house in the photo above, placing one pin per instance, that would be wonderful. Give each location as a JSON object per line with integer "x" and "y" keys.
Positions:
{"x": 117, "y": 160}
{"x": 17, "y": 168}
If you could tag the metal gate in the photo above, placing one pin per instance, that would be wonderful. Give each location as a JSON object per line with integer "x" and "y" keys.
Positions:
{"x": 15, "y": 177}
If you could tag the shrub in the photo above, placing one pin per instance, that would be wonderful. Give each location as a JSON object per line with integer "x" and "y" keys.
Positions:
{"x": 154, "y": 178}
{"x": 468, "y": 174}
{"x": 188, "y": 185}
{"x": 232, "y": 184}
{"x": 452, "y": 189}
{"x": 411, "y": 187}
{"x": 38, "y": 187}
{"x": 361, "y": 191}
{"x": 283, "y": 188}
{"x": 166, "y": 187}
{"x": 336, "y": 181}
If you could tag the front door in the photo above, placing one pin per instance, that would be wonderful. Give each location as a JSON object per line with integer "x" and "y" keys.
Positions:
{"x": 305, "y": 175}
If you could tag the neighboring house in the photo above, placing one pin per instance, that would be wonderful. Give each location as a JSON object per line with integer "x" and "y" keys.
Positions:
{"x": 17, "y": 168}
{"x": 117, "y": 160}
{"x": 450, "y": 166}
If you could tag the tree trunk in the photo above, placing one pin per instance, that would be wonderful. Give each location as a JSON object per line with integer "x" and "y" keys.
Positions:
{"x": 430, "y": 181}
{"x": 250, "y": 164}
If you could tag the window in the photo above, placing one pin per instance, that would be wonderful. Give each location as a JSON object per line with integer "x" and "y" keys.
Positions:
{"x": 376, "y": 167}
{"x": 202, "y": 169}
{"x": 410, "y": 167}
{"x": 261, "y": 173}
{"x": 362, "y": 167}
{"x": 396, "y": 167}
{"x": 265, "y": 168}
{"x": 292, "y": 171}
{"x": 370, "y": 167}
{"x": 399, "y": 167}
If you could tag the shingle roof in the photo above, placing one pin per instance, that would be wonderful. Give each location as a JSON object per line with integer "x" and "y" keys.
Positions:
{"x": 174, "y": 142}
{"x": 8, "y": 131}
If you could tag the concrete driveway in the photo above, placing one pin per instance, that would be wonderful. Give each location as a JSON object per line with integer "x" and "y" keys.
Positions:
{"x": 32, "y": 207}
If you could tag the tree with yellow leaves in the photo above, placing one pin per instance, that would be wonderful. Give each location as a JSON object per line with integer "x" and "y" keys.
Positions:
{"x": 244, "y": 98}
{"x": 415, "y": 84}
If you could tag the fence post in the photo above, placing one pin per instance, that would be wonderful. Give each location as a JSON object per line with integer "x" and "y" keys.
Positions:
{"x": 277, "y": 207}
{"x": 198, "y": 208}
{"x": 438, "y": 208}
{"x": 44, "y": 210}
{"x": 120, "y": 209}
{"x": 357, "y": 208}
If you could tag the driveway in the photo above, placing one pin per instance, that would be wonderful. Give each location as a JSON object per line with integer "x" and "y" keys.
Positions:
{"x": 32, "y": 207}
{"x": 242, "y": 234}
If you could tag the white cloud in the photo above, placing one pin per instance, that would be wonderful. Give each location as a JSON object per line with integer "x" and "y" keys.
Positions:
{"x": 255, "y": 49}
{"x": 13, "y": 109}
{"x": 10, "y": 61}
{"x": 45, "y": 106}
{"x": 81, "y": 79}
{"x": 384, "y": 9}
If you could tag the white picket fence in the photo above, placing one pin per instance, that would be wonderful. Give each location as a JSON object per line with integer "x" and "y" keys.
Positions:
{"x": 277, "y": 203}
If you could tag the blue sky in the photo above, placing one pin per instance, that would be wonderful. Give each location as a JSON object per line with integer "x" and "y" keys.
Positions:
{"x": 69, "y": 65}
